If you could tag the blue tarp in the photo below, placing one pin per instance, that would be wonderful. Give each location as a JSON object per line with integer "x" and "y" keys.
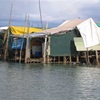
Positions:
{"x": 17, "y": 44}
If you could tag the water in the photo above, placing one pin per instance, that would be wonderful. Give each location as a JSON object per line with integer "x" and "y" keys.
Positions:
{"x": 49, "y": 82}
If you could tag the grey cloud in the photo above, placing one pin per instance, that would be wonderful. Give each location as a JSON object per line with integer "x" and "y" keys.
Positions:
{"x": 92, "y": 10}
{"x": 51, "y": 9}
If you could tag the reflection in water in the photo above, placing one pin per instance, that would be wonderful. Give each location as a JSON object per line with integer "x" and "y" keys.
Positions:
{"x": 49, "y": 82}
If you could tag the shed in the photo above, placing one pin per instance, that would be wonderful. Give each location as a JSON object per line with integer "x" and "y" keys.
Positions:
{"x": 61, "y": 38}
{"x": 20, "y": 41}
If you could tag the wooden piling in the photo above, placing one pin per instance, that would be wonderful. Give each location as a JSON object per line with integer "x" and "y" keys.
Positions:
{"x": 27, "y": 54}
{"x": 77, "y": 58}
{"x": 97, "y": 57}
{"x": 7, "y": 42}
{"x": 70, "y": 59}
{"x": 22, "y": 40}
{"x": 87, "y": 57}
{"x": 64, "y": 59}
{"x": 58, "y": 59}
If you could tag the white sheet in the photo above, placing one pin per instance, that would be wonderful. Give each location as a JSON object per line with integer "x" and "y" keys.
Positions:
{"x": 90, "y": 32}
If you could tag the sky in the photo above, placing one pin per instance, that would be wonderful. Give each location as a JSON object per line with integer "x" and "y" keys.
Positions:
{"x": 51, "y": 10}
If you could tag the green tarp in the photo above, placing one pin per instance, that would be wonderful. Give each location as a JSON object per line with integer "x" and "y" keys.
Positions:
{"x": 62, "y": 44}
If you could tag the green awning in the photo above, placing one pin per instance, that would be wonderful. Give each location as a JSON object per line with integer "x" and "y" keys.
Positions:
{"x": 98, "y": 24}
{"x": 80, "y": 45}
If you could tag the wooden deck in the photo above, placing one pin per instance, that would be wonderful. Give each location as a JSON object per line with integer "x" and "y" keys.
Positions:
{"x": 93, "y": 57}
{"x": 34, "y": 60}
{"x": 31, "y": 60}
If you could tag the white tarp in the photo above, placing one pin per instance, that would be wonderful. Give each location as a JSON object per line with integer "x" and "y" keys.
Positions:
{"x": 32, "y": 35}
{"x": 36, "y": 35}
{"x": 90, "y": 33}
{"x": 4, "y": 28}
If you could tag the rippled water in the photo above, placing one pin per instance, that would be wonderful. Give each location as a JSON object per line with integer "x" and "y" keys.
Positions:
{"x": 49, "y": 82}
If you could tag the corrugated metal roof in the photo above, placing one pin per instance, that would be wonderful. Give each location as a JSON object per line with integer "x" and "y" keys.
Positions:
{"x": 66, "y": 26}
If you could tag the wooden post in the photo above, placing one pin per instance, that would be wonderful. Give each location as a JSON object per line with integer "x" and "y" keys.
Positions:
{"x": 26, "y": 50}
{"x": 27, "y": 55}
{"x": 87, "y": 57}
{"x": 22, "y": 41}
{"x": 54, "y": 59}
{"x": 70, "y": 59}
{"x": 58, "y": 59}
{"x": 6, "y": 47}
{"x": 15, "y": 40}
{"x": 97, "y": 57}
{"x": 48, "y": 50}
{"x": 45, "y": 46}
{"x": 64, "y": 59}
{"x": 48, "y": 59}
{"x": 45, "y": 50}
{"x": 77, "y": 58}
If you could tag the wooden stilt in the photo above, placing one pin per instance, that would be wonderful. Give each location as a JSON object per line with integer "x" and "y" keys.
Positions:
{"x": 84, "y": 56}
{"x": 48, "y": 50}
{"x": 27, "y": 55}
{"x": 58, "y": 59}
{"x": 87, "y": 57}
{"x": 16, "y": 51}
{"x": 64, "y": 59}
{"x": 22, "y": 41}
{"x": 97, "y": 57}
{"x": 77, "y": 58}
{"x": 70, "y": 59}
{"x": 45, "y": 47}
{"x": 54, "y": 59}
{"x": 48, "y": 59}
{"x": 45, "y": 50}
{"x": 7, "y": 42}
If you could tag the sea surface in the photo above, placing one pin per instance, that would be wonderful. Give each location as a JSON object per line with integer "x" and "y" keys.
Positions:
{"x": 49, "y": 82}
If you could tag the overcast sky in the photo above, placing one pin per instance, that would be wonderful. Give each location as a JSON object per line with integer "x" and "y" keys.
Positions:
{"x": 52, "y": 10}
